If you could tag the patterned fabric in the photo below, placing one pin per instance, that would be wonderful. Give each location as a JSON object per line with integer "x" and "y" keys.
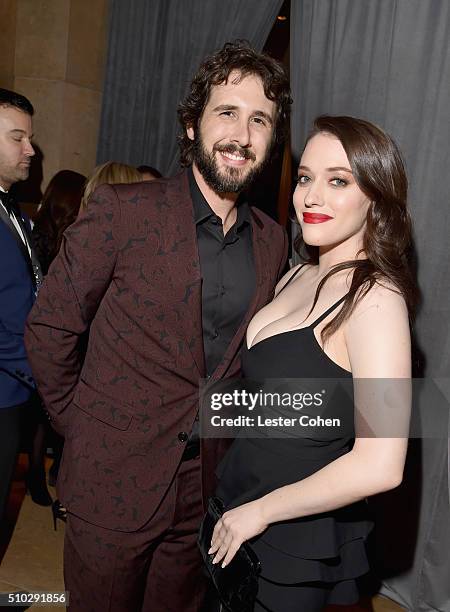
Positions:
{"x": 157, "y": 568}
{"x": 128, "y": 271}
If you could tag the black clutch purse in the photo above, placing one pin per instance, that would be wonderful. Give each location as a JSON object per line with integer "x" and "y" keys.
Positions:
{"x": 237, "y": 583}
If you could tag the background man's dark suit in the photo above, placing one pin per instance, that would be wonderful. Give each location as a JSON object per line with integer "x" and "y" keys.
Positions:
{"x": 17, "y": 291}
{"x": 130, "y": 270}
{"x": 19, "y": 278}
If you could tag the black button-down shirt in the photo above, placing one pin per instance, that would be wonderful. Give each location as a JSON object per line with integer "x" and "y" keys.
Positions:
{"x": 228, "y": 274}
{"x": 228, "y": 278}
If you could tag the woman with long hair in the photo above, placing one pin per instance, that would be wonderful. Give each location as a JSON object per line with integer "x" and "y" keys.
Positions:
{"x": 342, "y": 315}
{"x": 58, "y": 209}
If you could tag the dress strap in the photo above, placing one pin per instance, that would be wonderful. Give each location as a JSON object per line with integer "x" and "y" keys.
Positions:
{"x": 291, "y": 278}
{"x": 328, "y": 311}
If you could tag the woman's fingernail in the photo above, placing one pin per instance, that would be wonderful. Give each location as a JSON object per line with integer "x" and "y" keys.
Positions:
{"x": 223, "y": 565}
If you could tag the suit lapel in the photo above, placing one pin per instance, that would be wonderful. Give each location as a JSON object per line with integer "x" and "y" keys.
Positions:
{"x": 20, "y": 243}
{"x": 35, "y": 263}
{"x": 188, "y": 269}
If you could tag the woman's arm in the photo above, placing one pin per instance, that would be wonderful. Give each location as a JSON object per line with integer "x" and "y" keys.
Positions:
{"x": 378, "y": 343}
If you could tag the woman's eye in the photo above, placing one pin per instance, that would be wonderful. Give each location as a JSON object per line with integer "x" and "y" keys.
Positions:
{"x": 338, "y": 182}
{"x": 303, "y": 179}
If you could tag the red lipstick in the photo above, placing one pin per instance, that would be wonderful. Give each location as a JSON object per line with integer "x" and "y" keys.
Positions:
{"x": 309, "y": 217}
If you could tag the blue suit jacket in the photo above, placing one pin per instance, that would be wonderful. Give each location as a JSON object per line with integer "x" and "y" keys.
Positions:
{"x": 17, "y": 295}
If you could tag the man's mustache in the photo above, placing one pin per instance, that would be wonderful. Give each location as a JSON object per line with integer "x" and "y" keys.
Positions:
{"x": 230, "y": 148}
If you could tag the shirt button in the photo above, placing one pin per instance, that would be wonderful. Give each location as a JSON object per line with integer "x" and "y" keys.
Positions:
{"x": 183, "y": 436}
{"x": 215, "y": 335}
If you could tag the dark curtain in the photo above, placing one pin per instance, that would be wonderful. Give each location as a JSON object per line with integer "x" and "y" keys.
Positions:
{"x": 155, "y": 47}
{"x": 388, "y": 61}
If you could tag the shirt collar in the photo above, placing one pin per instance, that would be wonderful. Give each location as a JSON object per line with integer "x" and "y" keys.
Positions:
{"x": 1, "y": 202}
{"x": 202, "y": 210}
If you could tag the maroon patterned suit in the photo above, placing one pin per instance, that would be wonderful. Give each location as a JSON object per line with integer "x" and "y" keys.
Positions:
{"x": 128, "y": 271}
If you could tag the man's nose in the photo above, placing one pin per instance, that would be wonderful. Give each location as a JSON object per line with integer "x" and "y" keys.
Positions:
{"x": 241, "y": 133}
{"x": 28, "y": 149}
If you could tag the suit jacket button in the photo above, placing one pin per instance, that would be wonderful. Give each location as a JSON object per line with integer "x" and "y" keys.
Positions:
{"x": 183, "y": 436}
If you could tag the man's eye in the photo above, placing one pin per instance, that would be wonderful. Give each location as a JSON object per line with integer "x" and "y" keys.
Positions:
{"x": 259, "y": 120}
{"x": 338, "y": 182}
{"x": 227, "y": 113}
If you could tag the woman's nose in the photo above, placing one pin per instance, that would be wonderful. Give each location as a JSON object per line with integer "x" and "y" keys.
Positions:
{"x": 314, "y": 195}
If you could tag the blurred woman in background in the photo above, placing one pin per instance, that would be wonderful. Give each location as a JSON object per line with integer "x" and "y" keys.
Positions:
{"x": 110, "y": 173}
{"x": 58, "y": 209}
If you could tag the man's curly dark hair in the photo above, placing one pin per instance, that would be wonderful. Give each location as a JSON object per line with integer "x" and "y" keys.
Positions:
{"x": 234, "y": 56}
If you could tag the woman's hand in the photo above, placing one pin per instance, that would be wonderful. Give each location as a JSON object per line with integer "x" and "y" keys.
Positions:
{"x": 234, "y": 528}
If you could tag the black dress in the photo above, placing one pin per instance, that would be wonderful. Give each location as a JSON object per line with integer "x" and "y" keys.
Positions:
{"x": 312, "y": 561}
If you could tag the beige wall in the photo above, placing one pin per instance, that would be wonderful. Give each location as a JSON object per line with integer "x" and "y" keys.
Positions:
{"x": 7, "y": 42}
{"x": 55, "y": 56}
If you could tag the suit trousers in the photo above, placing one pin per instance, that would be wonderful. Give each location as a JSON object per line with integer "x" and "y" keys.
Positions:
{"x": 155, "y": 569}
{"x": 10, "y": 429}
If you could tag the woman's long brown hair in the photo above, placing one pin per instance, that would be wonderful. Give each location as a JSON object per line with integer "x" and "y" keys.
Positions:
{"x": 379, "y": 171}
{"x": 58, "y": 210}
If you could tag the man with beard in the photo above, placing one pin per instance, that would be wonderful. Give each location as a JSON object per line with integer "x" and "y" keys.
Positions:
{"x": 166, "y": 275}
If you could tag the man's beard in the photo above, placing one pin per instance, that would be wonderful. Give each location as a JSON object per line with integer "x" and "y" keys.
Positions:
{"x": 13, "y": 174}
{"x": 23, "y": 173}
{"x": 228, "y": 179}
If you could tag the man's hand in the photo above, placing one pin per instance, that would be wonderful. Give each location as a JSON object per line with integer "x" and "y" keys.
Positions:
{"x": 234, "y": 528}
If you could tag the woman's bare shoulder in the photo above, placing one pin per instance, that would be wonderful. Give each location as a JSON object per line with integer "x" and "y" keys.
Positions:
{"x": 295, "y": 271}
{"x": 377, "y": 334}
{"x": 384, "y": 296}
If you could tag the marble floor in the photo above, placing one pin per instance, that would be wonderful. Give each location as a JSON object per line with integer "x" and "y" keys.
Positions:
{"x": 30, "y": 549}
{"x": 31, "y": 552}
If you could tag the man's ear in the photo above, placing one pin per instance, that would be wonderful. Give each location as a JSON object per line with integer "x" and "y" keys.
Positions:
{"x": 190, "y": 132}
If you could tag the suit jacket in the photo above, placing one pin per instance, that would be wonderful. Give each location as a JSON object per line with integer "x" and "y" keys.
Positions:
{"x": 129, "y": 270}
{"x": 17, "y": 291}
